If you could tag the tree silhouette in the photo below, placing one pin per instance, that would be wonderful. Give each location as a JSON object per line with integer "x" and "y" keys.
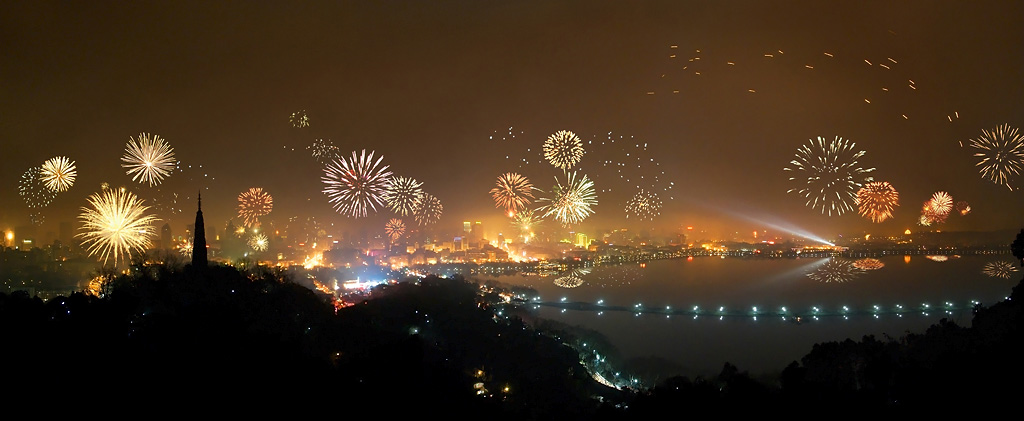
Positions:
{"x": 1017, "y": 247}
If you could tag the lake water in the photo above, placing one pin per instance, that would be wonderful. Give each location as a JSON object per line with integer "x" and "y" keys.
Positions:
{"x": 648, "y": 310}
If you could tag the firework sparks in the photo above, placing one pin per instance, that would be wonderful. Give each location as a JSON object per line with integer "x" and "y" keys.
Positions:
{"x": 185, "y": 248}
{"x": 570, "y": 203}
{"x": 524, "y": 223}
{"x": 355, "y": 186}
{"x": 876, "y": 201}
{"x": 115, "y": 225}
{"x": 644, "y": 205}
{"x": 259, "y": 242}
{"x": 403, "y": 194}
{"x": 299, "y": 119}
{"x": 571, "y": 280}
{"x": 835, "y": 271}
{"x": 428, "y": 210}
{"x": 999, "y": 269}
{"x": 937, "y": 209}
{"x": 58, "y": 173}
{"x": 252, "y": 204}
{"x": 324, "y": 151}
{"x": 563, "y": 149}
{"x": 148, "y": 159}
{"x": 1001, "y": 153}
{"x": 395, "y": 228}
{"x": 963, "y": 207}
{"x": 513, "y": 192}
{"x": 830, "y": 174}
{"x": 33, "y": 190}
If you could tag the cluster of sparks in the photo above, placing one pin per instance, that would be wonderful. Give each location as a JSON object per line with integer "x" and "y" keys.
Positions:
{"x": 299, "y": 119}
{"x": 828, "y": 174}
{"x": 149, "y": 159}
{"x": 999, "y": 269}
{"x": 33, "y": 189}
{"x": 524, "y": 223}
{"x": 324, "y": 151}
{"x": 877, "y": 200}
{"x": 1001, "y": 154}
{"x": 513, "y": 193}
{"x": 563, "y": 149}
{"x": 644, "y": 205}
{"x": 58, "y": 173}
{"x": 395, "y": 228}
{"x": 572, "y": 202}
{"x": 358, "y": 185}
{"x": 868, "y": 263}
{"x": 259, "y": 242}
{"x": 836, "y": 271}
{"x": 115, "y": 224}
{"x": 570, "y": 280}
{"x": 252, "y": 204}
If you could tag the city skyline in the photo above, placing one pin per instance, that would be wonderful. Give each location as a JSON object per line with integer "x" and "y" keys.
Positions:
{"x": 712, "y": 101}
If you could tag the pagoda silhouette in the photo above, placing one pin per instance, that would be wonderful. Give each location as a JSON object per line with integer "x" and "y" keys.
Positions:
{"x": 199, "y": 259}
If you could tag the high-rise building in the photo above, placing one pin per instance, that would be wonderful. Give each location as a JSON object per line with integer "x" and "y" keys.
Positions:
{"x": 165, "y": 236}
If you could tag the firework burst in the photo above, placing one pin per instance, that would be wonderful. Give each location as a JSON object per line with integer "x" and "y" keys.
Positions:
{"x": 570, "y": 203}
{"x": 963, "y": 207}
{"x": 357, "y": 185}
{"x": 563, "y": 149}
{"x": 252, "y": 204}
{"x": 299, "y": 119}
{"x": 148, "y": 159}
{"x": 116, "y": 224}
{"x": 1001, "y": 154}
{"x": 937, "y": 209}
{"x": 524, "y": 224}
{"x": 324, "y": 151}
{"x": 58, "y": 173}
{"x": 403, "y": 194}
{"x": 876, "y": 201}
{"x": 828, "y": 174}
{"x": 835, "y": 271}
{"x": 259, "y": 242}
{"x": 644, "y": 205}
{"x": 428, "y": 210}
{"x": 513, "y": 192}
{"x": 33, "y": 190}
{"x": 185, "y": 248}
{"x": 395, "y": 228}
{"x": 999, "y": 269}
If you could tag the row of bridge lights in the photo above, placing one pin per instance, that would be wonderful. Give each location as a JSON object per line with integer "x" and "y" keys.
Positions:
{"x": 925, "y": 308}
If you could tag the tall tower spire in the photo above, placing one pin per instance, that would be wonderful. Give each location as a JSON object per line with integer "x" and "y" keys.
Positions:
{"x": 199, "y": 242}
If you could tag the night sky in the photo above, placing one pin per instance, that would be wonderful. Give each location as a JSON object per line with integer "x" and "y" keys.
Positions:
{"x": 454, "y": 93}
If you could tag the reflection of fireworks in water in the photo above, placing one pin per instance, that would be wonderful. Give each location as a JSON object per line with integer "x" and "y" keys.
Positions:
{"x": 572, "y": 202}
{"x": 513, "y": 192}
{"x": 58, "y": 173}
{"x": 395, "y": 228}
{"x": 33, "y": 190}
{"x": 617, "y": 275}
{"x": 563, "y": 149}
{"x": 829, "y": 174}
{"x": 876, "y": 200}
{"x": 868, "y": 263}
{"x": 115, "y": 225}
{"x": 937, "y": 258}
{"x": 963, "y": 207}
{"x": 570, "y": 280}
{"x": 644, "y": 205}
{"x": 259, "y": 242}
{"x": 252, "y": 204}
{"x": 148, "y": 159}
{"x": 403, "y": 194}
{"x": 355, "y": 186}
{"x": 428, "y": 210}
{"x": 999, "y": 269}
{"x": 1002, "y": 154}
{"x": 835, "y": 271}
{"x": 324, "y": 151}
{"x": 299, "y": 119}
